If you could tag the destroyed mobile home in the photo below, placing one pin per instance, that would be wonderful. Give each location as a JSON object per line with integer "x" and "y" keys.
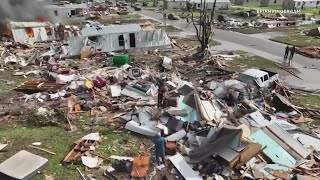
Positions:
{"x": 118, "y": 38}
{"x": 31, "y": 32}
{"x": 208, "y": 121}
{"x": 261, "y": 22}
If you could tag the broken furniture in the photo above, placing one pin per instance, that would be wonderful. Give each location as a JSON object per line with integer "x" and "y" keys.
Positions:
{"x": 39, "y": 86}
{"x": 83, "y": 145}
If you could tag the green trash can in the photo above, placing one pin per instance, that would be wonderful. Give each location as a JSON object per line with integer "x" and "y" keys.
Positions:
{"x": 121, "y": 59}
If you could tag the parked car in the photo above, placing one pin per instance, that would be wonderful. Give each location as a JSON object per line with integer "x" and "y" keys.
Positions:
{"x": 233, "y": 22}
{"x": 263, "y": 78}
{"x": 173, "y": 17}
{"x": 137, "y": 8}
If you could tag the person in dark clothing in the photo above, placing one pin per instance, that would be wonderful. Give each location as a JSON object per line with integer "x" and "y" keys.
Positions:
{"x": 161, "y": 67}
{"x": 292, "y": 51}
{"x": 161, "y": 91}
{"x": 160, "y": 144}
{"x": 286, "y": 53}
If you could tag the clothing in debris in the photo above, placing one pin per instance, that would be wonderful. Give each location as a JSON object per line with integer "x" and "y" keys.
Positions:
{"x": 210, "y": 167}
{"x": 159, "y": 143}
{"x": 161, "y": 67}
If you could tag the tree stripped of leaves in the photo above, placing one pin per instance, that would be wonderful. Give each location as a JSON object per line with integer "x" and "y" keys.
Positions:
{"x": 203, "y": 24}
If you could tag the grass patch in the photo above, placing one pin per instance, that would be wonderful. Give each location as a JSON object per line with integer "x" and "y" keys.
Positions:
{"x": 118, "y": 143}
{"x": 251, "y": 30}
{"x": 292, "y": 30}
{"x": 309, "y": 99}
{"x": 8, "y": 81}
{"x": 20, "y": 135}
{"x": 130, "y": 15}
{"x": 298, "y": 40}
{"x": 293, "y": 37}
{"x": 182, "y": 13}
{"x": 53, "y": 138}
{"x": 193, "y": 41}
{"x": 170, "y": 28}
{"x": 248, "y": 60}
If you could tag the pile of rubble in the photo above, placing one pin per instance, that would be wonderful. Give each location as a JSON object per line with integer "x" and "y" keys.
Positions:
{"x": 310, "y": 51}
{"x": 216, "y": 124}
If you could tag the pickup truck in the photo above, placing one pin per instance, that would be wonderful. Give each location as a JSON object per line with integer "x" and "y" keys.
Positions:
{"x": 263, "y": 78}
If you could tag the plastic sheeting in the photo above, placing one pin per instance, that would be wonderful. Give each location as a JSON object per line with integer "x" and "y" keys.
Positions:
{"x": 273, "y": 150}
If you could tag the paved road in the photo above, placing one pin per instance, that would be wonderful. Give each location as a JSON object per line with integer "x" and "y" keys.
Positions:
{"x": 256, "y": 45}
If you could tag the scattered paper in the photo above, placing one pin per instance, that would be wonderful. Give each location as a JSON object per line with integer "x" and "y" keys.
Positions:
{"x": 115, "y": 91}
{"x": 92, "y": 136}
{"x": 37, "y": 143}
{"x": 122, "y": 158}
{"x": 89, "y": 161}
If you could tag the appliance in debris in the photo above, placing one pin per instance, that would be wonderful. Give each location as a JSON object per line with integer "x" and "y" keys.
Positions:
{"x": 134, "y": 72}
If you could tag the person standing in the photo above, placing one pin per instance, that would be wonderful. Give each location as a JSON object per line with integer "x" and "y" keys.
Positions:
{"x": 292, "y": 51}
{"x": 159, "y": 143}
{"x": 286, "y": 53}
{"x": 161, "y": 91}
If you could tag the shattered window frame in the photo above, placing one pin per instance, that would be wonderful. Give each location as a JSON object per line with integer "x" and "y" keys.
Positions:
{"x": 121, "y": 40}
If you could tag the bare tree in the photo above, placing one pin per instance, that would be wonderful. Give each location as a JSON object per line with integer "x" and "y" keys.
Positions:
{"x": 203, "y": 24}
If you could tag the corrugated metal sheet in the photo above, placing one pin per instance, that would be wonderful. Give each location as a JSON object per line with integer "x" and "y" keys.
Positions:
{"x": 118, "y": 29}
{"x": 152, "y": 38}
{"x": 186, "y": 171}
{"x": 272, "y": 149}
{"x": 18, "y": 25}
{"x": 286, "y": 141}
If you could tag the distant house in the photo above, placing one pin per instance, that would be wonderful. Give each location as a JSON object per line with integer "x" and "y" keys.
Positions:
{"x": 264, "y": 3}
{"x": 196, "y": 4}
{"x": 267, "y": 3}
{"x": 301, "y": 4}
{"x": 117, "y": 38}
{"x": 31, "y": 32}
{"x": 175, "y": 4}
{"x": 247, "y": 2}
{"x": 59, "y": 13}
